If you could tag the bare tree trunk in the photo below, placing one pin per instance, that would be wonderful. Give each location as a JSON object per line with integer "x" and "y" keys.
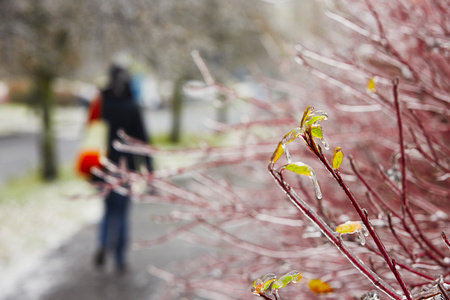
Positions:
{"x": 47, "y": 147}
{"x": 177, "y": 106}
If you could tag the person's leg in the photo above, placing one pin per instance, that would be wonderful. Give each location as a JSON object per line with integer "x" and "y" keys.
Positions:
{"x": 104, "y": 225}
{"x": 123, "y": 235}
{"x": 99, "y": 257}
{"x": 115, "y": 211}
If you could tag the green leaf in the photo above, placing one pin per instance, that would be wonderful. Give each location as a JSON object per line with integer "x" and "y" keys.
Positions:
{"x": 267, "y": 280}
{"x": 299, "y": 168}
{"x": 282, "y": 282}
{"x": 338, "y": 157}
{"x": 318, "y": 117}
{"x": 277, "y": 153}
{"x": 303, "y": 169}
{"x": 267, "y": 284}
{"x": 306, "y": 114}
{"x": 296, "y": 276}
{"x": 317, "y": 132}
{"x": 262, "y": 284}
{"x": 293, "y": 276}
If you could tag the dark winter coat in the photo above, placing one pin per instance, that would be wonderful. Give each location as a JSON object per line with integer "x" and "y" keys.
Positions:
{"x": 122, "y": 112}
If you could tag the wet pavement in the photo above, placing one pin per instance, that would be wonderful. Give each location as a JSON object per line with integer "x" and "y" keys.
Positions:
{"x": 67, "y": 272}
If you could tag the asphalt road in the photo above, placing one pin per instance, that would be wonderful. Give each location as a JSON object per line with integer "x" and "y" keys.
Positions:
{"x": 19, "y": 152}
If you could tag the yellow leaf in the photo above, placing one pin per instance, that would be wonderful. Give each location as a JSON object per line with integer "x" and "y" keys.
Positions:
{"x": 338, "y": 157}
{"x": 371, "y": 85}
{"x": 349, "y": 227}
{"x": 291, "y": 135}
{"x": 257, "y": 286}
{"x": 277, "y": 154}
{"x": 306, "y": 114}
{"x": 319, "y": 287}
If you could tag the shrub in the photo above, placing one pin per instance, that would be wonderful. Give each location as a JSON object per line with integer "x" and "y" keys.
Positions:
{"x": 372, "y": 221}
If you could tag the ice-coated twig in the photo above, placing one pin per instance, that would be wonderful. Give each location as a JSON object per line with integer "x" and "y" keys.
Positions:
{"x": 403, "y": 171}
{"x": 389, "y": 210}
{"x": 384, "y": 41}
{"x": 330, "y": 234}
{"x": 378, "y": 198}
{"x": 409, "y": 269}
{"x": 139, "y": 245}
{"x": 427, "y": 137}
{"x": 261, "y": 250}
{"x": 351, "y": 25}
{"x": 428, "y": 158}
{"x": 444, "y": 237}
{"x": 201, "y": 65}
{"x": 400, "y": 241}
{"x": 401, "y": 142}
{"x": 362, "y": 214}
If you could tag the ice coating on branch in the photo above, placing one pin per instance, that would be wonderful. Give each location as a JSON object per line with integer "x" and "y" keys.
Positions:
{"x": 311, "y": 118}
{"x": 325, "y": 143}
{"x": 372, "y": 295}
{"x": 311, "y": 121}
{"x": 299, "y": 60}
{"x": 394, "y": 173}
{"x": 351, "y": 227}
{"x": 316, "y": 117}
{"x": 291, "y": 135}
{"x": 303, "y": 169}
{"x": 316, "y": 186}
{"x": 361, "y": 237}
{"x": 435, "y": 291}
{"x": 286, "y": 153}
{"x": 269, "y": 284}
{"x": 264, "y": 283}
{"x": 293, "y": 276}
{"x": 296, "y": 276}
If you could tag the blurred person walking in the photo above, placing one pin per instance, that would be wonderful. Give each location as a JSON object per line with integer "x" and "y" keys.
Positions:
{"x": 120, "y": 112}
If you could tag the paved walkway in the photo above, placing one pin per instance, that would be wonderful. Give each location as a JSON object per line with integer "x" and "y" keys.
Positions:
{"x": 66, "y": 273}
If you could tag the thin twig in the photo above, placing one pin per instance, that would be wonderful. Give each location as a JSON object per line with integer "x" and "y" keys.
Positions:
{"x": 402, "y": 145}
{"x": 403, "y": 171}
{"x": 402, "y": 244}
{"x": 372, "y": 191}
{"x": 427, "y": 137}
{"x": 363, "y": 216}
{"x": 447, "y": 242}
{"x": 330, "y": 234}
